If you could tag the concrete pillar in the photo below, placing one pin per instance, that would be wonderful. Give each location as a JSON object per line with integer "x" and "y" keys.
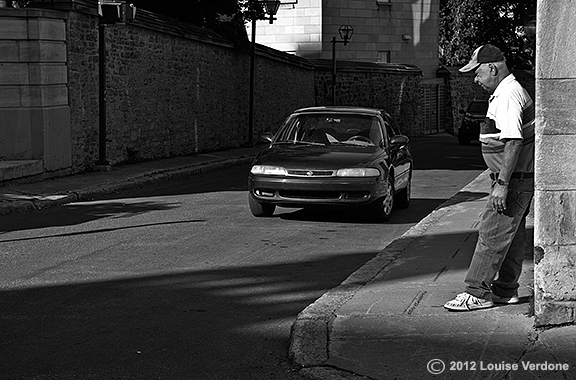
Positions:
{"x": 34, "y": 110}
{"x": 555, "y": 196}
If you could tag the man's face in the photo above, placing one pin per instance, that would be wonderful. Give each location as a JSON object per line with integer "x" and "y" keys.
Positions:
{"x": 484, "y": 77}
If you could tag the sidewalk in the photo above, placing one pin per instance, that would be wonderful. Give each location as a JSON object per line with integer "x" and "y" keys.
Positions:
{"x": 387, "y": 321}
{"x": 58, "y": 191}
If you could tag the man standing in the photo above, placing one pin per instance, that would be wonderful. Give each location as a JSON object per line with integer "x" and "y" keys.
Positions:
{"x": 507, "y": 137}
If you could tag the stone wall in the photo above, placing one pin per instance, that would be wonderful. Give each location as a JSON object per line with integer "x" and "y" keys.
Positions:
{"x": 555, "y": 196}
{"x": 393, "y": 87}
{"x": 176, "y": 89}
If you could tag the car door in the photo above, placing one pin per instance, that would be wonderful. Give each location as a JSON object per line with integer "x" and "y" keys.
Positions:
{"x": 400, "y": 156}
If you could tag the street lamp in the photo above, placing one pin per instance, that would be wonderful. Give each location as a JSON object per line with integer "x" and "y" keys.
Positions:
{"x": 271, "y": 8}
{"x": 346, "y": 32}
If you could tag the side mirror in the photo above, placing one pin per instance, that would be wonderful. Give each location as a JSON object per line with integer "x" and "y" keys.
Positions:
{"x": 399, "y": 140}
{"x": 266, "y": 137}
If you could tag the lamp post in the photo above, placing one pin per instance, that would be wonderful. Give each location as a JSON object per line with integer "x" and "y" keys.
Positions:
{"x": 110, "y": 12}
{"x": 271, "y": 8}
{"x": 346, "y": 32}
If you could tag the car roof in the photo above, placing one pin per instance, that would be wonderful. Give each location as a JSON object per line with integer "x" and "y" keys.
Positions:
{"x": 342, "y": 109}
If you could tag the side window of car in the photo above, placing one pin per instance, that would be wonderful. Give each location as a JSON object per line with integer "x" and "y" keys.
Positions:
{"x": 389, "y": 132}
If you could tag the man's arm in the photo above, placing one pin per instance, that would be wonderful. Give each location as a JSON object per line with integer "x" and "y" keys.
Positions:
{"x": 511, "y": 153}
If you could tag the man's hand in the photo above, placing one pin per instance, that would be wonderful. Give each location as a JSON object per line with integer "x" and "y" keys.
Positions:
{"x": 498, "y": 198}
{"x": 500, "y": 192}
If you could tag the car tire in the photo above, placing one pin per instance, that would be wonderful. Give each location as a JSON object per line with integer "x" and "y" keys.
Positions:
{"x": 403, "y": 197}
{"x": 381, "y": 210}
{"x": 463, "y": 139}
{"x": 260, "y": 209}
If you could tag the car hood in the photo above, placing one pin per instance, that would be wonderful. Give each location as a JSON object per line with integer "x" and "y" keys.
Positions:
{"x": 474, "y": 115}
{"x": 318, "y": 157}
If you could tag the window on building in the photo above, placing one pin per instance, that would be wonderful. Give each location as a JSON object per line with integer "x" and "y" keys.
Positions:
{"x": 384, "y": 56}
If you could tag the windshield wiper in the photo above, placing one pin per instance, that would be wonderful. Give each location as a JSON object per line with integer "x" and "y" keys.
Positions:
{"x": 299, "y": 143}
{"x": 351, "y": 143}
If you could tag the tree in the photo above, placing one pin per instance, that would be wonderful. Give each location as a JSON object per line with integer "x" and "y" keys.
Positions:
{"x": 205, "y": 13}
{"x": 226, "y": 17}
{"x": 465, "y": 25}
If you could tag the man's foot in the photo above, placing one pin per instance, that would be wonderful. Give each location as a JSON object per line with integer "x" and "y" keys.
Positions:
{"x": 505, "y": 300}
{"x": 467, "y": 302}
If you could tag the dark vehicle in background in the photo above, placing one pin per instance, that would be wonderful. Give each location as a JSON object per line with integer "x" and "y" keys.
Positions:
{"x": 333, "y": 156}
{"x": 474, "y": 115}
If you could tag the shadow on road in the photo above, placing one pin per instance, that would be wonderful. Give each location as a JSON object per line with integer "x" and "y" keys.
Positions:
{"x": 189, "y": 325}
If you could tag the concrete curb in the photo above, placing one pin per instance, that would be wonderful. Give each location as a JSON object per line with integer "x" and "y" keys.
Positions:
{"x": 36, "y": 202}
{"x": 309, "y": 336}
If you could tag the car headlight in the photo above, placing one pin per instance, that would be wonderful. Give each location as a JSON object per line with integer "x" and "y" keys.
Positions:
{"x": 268, "y": 170}
{"x": 358, "y": 172}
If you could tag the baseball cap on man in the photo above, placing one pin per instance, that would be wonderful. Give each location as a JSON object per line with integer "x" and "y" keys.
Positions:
{"x": 484, "y": 54}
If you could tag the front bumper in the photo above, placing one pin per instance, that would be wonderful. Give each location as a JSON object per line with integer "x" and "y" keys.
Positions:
{"x": 301, "y": 192}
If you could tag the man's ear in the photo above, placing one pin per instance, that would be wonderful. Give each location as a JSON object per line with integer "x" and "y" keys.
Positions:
{"x": 493, "y": 69}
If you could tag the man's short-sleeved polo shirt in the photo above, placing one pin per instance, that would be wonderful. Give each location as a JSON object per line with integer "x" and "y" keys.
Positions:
{"x": 510, "y": 116}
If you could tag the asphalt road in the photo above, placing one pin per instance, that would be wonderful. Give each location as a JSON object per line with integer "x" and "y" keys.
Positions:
{"x": 179, "y": 281}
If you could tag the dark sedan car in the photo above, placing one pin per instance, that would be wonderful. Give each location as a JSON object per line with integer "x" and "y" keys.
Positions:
{"x": 474, "y": 115}
{"x": 333, "y": 156}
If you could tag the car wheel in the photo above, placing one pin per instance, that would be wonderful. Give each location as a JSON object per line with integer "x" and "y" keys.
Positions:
{"x": 403, "y": 197}
{"x": 463, "y": 139}
{"x": 260, "y": 209}
{"x": 381, "y": 210}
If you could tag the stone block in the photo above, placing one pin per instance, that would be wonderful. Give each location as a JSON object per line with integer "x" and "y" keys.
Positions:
{"x": 57, "y": 138}
{"x": 549, "y": 313}
{"x": 47, "y": 95}
{"x": 18, "y": 169}
{"x": 555, "y": 110}
{"x": 15, "y": 134}
{"x": 556, "y": 34}
{"x": 555, "y": 274}
{"x": 13, "y": 73}
{"x": 42, "y": 51}
{"x": 47, "y": 29}
{"x": 556, "y": 217}
{"x": 9, "y": 51}
{"x": 13, "y": 29}
{"x": 9, "y": 96}
{"x": 43, "y": 73}
{"x": 555, "y": 158}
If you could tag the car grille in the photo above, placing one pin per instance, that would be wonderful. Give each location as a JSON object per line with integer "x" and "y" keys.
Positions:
{"x": 323, "y": 195}
{"x": 311, "y": 173}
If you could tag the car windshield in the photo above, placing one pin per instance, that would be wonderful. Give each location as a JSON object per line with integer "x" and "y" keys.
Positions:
{"x": 359, "y": 130}
{"x": 478, "y": 107}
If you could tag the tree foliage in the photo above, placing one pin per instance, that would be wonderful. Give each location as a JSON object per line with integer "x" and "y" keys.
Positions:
{"x": 205, "y": 13}
{"x": 465, "y": 25}
{"x": 227, "y": 17}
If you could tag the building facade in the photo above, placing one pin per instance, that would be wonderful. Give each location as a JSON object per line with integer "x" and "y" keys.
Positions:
{"x": 397, "y": 31}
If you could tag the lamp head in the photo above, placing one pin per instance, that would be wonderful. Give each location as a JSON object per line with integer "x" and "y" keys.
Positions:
{"x": 271, "y": 7}
{"x": 346, "y": 32}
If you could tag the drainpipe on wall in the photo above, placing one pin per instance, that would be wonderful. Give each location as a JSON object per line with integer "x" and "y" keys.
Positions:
{"x": 102, "y": 162}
